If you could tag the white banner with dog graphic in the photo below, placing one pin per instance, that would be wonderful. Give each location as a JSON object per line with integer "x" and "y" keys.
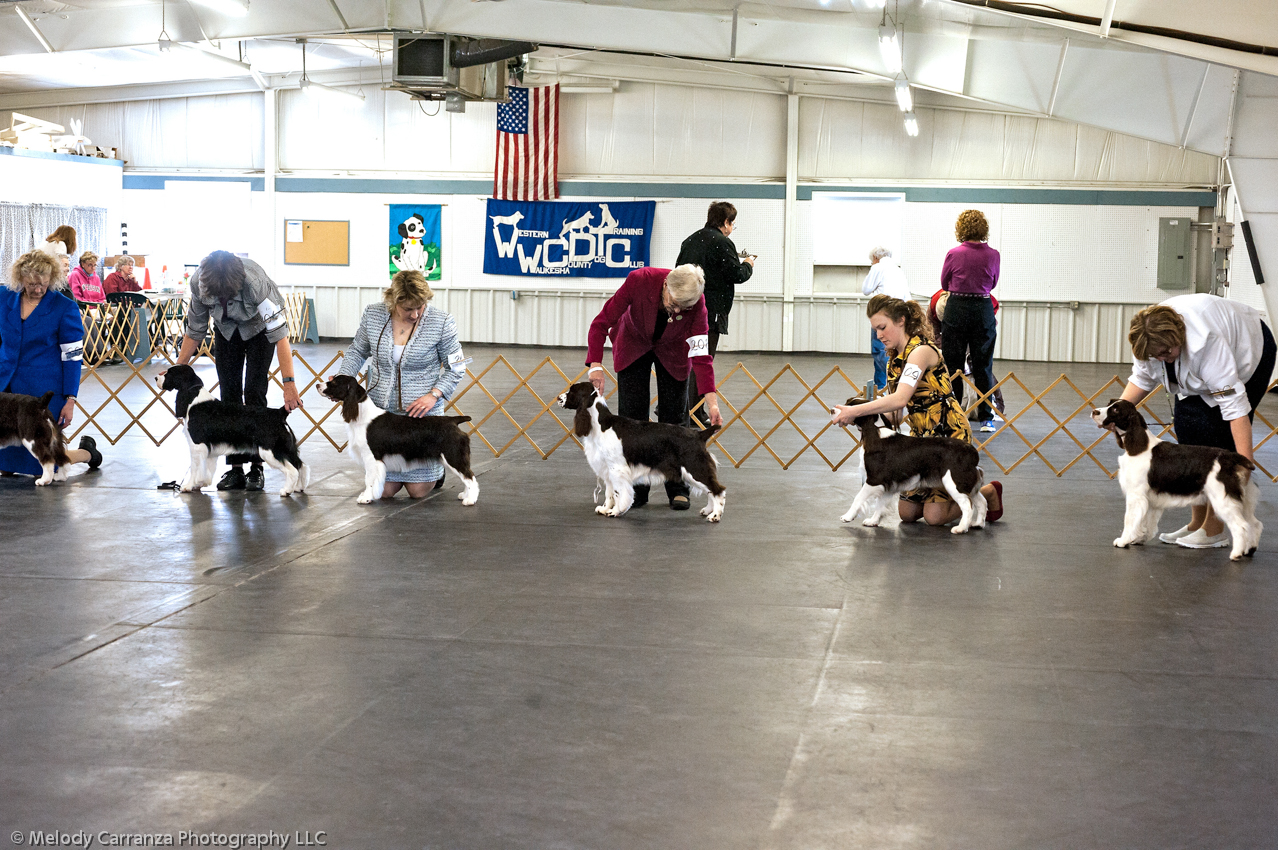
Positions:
{"x": 415, "y": 239}
{"x": 552, "y": 238}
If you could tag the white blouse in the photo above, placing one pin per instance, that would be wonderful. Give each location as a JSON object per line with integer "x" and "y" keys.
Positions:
{"x": 1223, "y": 346}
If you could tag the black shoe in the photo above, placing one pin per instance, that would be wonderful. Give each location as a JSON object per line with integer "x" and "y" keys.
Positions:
{"x": 641, "y": 496}
{"x": 439, "y": 484}
{"x": 90, "y": 445}
{"x": 232, "y": 480}
{"x": 256, "y": 480}
{"x": 679, "y": 503}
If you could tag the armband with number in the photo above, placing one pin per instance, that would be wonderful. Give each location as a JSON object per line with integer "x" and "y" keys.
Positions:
{"x": 699, "y": 346}
{"x": 910, "y": 375}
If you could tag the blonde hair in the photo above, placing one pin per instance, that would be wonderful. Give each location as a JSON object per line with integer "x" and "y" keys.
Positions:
{"x": 916, "y": 323}
{"x": 1155, "y": 330}
{"x": 686, "y": 283}
{"x": 34, "y": 265}
{"x": 971, "y": 227}
{"x": 89, "y": 256}
{"x": 407, "y": 287}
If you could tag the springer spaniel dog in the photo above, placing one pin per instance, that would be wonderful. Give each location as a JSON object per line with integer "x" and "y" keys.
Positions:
{"x": 216, "y": 428}
{"x": 625, "y": 452}
{"x": 384, "y": 441}
{"x": 26, "y": 421}
{"x": 1156, "y": 475}
{"x": 895, "y": 463}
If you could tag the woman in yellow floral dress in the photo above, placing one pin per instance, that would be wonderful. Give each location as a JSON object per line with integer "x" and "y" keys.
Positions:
{"x": 919, "y": 385}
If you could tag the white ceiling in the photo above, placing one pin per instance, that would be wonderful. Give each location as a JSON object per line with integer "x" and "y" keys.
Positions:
{"x": 957, "y": 55}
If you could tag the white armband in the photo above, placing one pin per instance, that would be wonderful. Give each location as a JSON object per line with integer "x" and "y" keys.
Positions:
{"x": 910, "y": 375}
{"x": 593, "y": 369}
{"x": 272, "y": 314}
{"x": 72, "y": 351}
{"x": 457, "y": 362}
{"x": 699, "y": 346}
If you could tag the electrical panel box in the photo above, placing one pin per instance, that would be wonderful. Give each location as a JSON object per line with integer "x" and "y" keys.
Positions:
{"x": 1175, "y": 266}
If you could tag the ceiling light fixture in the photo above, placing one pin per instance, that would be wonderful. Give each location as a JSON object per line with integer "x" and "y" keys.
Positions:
{"x": 911, "y": 124}
{"x": 904, "y": 98}
{"x": 232, "y": 8}
{"x": 890, "y": 46}
{"x": 164, "y": 41}
{"x": 307, "y": 84}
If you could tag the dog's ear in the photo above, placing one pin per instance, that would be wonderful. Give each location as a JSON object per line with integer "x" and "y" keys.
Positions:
{"x": 581, "y": 422}
{"x": 403, "y": 231}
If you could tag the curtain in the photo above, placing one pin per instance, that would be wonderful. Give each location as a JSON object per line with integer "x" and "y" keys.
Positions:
{"x": 25, "y": 226}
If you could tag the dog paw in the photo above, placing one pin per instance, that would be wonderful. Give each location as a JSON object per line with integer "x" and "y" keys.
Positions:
{"x": 714, "y": 517}
{"x": 603, "y": 510}
{"x": 42, "y": 482}
{"x": 958, "y": 529}
{"x": 847, "y": 517}
{"x": 1251, "y": 551}
{"x": 1120, "y": 543}
{"x": 870, "y": 522}
{"x": 365, "y": 499}
{"x": 461, "y": 497}
{"x": 471, "y": 501}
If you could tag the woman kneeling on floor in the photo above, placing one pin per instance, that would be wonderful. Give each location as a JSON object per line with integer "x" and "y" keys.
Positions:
{"x": 919, "y": 385}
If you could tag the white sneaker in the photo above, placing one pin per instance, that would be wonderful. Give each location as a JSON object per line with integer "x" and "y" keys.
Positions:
{"x": 1200, "y": 540}
{"x": 1173, "y": 536}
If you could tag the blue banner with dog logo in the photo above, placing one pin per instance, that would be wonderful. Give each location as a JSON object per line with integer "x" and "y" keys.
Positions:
{"x": 415, "y": 239}
{"x": 557, "y": 238}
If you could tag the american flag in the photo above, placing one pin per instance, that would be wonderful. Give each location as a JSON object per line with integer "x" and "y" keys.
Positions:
{"x": 527, "y": 166}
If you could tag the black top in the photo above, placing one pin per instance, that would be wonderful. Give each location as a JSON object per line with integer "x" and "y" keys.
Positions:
{"x": 663, "y": 319}
{"x": 717, "y": 256}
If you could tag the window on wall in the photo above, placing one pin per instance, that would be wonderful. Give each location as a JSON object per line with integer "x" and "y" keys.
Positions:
{"x": 846, "y": 227}
{"x": 202, "y": 216}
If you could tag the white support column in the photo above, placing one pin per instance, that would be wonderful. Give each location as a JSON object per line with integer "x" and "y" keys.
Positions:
{"x": 270, "y": 120}
{"x": 1252, "y": 158}
{"x": 789, "y": 264}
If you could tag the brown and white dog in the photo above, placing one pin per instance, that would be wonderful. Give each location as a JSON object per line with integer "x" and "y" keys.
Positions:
{"x": 26, "y": 421}
{"x": 1156, "y": 475}
{"x": 625, "y": 452}
{"x": 384, "y": 441}
{"x": 895, "y": 463}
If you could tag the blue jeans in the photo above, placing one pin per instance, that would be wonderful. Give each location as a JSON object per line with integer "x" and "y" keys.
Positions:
{"x": 879, "y": 351}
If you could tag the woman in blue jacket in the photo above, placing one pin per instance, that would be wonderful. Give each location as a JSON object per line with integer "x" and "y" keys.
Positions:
{"x": 41, "y": 344}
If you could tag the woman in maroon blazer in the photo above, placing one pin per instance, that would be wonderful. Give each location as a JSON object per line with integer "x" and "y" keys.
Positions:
{"x": 657, "y": 318}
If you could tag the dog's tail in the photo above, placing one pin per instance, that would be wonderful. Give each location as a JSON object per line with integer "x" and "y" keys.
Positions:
{"x": 458, "y": 419}
{"x": 45, "y": 399}
{"x": 704, "y": 436}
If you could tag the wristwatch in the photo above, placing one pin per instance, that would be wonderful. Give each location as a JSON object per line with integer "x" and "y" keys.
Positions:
{"x": 436, "y": 393}
{"x": 287, "y": 381}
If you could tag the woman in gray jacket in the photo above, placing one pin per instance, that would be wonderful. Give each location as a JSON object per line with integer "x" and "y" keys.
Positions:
{"x": 415, "y": 364}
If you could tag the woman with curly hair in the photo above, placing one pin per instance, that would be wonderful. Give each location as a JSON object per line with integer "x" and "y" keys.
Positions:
{"x": 919, "y": 385}
{"x": 969, "y": 274}
{"x": 41, "y": 347}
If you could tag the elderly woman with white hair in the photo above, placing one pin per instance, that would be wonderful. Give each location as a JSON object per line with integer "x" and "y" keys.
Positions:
{"x": 657, "y": 319}
{"x": 122, "y": 279}
{"x": 885, "y": 278}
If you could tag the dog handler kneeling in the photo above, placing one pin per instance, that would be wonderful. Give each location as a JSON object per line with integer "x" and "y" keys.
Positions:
{"x": 250, "y": 328}
{"x": 1216, "y": 357}
{"x": 919, "y": 384}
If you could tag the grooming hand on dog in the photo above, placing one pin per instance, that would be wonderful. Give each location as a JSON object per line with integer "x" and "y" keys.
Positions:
{"x": 919, "y": 388}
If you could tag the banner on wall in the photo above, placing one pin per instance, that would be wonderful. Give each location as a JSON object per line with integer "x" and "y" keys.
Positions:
{"x": 556, "y": 238}
{"x": 415, "y": 239}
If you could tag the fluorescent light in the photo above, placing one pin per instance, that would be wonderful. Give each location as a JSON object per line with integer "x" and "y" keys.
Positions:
{"x": 311, "y": 85}
{"x": 911, "y": 124}
{"x": 890, "y": 48}
{"x": 234, "y": 8}
{"x": 904, "y": 98}
{"x": 213, "y": 54}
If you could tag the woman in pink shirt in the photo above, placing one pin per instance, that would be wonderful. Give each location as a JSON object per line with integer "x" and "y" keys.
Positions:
{"x": 84, "y": 281}
{"x": 969, "y": 274}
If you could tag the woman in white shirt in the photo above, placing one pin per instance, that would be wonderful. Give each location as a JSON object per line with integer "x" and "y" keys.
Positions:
{"x": 885, "y": 278}
{"x": 1216, "y": 357}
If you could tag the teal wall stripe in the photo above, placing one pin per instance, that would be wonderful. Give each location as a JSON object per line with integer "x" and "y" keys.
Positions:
{"x": 64, "y": 157}
{"x": 1086, "y": 197}
{"x": 708, "y": 191}
{"x": 156, "y": 181}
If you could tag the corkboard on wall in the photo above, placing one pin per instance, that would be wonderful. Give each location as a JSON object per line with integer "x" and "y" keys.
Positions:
{"x": 321, "y": 243}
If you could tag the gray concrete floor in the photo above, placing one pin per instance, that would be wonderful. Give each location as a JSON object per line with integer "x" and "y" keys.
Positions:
{"x": 524, "y": 673}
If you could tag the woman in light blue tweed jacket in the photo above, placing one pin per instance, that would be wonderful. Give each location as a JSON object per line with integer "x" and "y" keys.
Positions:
{"x": 414, "y": 364}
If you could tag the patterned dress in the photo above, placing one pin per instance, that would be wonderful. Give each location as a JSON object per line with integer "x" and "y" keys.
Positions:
{"x": 931, "y": 411}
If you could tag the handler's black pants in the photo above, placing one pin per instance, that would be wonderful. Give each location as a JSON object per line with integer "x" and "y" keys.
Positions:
{"x": 244, "y": 374}
{"x": 969, "y": 329}
{"x": 634, "y": 394}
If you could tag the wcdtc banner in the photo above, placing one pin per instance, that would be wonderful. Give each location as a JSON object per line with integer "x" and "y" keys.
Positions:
{"x": 577, "y": 240}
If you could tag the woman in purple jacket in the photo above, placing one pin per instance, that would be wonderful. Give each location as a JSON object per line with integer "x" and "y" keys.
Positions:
{"x": 657, "y": 318}
{"x": 969, "y": 274}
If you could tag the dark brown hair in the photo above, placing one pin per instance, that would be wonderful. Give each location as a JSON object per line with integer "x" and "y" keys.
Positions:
{"x": 64, "y": 234}
{"x": 720, "y": 213}
{"x": 916, "y": 323}
{"x": 222, "y": 275}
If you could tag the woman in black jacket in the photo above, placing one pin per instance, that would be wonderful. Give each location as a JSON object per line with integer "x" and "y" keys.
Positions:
{"x": 712, "y": 250}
